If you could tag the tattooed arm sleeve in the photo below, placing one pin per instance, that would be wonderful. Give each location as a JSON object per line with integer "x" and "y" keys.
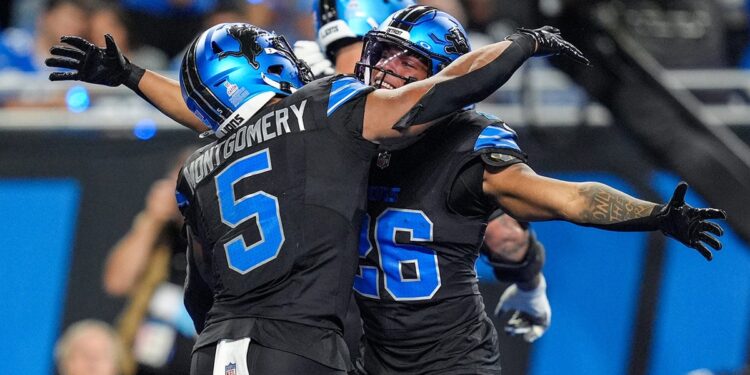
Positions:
{"x": 528, "y": 196}
{"x": 608, "y": 208}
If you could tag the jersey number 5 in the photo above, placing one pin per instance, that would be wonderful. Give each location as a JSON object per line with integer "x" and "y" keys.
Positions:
{"x": 260, "y": 205}
{"x": 411, "y": 271}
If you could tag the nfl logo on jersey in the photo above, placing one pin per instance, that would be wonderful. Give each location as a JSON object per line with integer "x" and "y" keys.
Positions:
{"x": 230, "y": 369}
{"x": 384, "y": 160}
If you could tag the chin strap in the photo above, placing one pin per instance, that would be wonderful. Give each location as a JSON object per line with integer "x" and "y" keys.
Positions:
{"x": 283, "y": 85}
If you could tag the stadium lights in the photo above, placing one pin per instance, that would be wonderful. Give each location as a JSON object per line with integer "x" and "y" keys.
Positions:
{"x": 77, "y": 99}
{"x": 145, "y": 129}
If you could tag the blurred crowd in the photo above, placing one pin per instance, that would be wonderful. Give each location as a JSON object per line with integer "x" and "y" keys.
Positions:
{"x": 153, "y": 33}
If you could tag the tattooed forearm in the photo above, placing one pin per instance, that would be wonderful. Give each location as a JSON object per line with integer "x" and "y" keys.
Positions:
{"x": 605, "y": 205}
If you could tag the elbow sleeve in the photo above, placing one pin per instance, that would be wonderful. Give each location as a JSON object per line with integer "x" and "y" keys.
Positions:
{"x": 456, "y": 93}
{"x": 524, "y": 271}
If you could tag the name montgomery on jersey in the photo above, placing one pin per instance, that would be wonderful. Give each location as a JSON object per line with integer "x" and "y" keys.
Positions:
{"x": 269, "y": 126}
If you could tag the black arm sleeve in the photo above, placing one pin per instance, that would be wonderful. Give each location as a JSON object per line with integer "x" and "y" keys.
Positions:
{"x": 454, "y": 94}
{"x": 134, "y": 78}
{"x": 524, "y": 271}
{"x": 643, "y": 224}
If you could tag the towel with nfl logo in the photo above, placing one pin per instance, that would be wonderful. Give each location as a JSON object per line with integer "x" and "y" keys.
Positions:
{"x": 231, "y": 357}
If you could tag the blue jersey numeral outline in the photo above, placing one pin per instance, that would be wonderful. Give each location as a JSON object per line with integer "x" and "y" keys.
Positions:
{"x": 393, "y": 256}
{"x": 260, "y": 205}
{"x": 367, "y": 281}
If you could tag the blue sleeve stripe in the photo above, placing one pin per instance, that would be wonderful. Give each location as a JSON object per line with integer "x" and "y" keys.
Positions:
{"x": 181, "y": 199}
{"x": 341, "y": 84}
{"x": 496, "y": 137}
{"x": 341, "y": 91}
{"x": 338, "y": 104}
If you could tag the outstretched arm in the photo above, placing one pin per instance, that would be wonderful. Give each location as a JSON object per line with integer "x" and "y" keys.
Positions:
{"x": 528, "y": 196}
{"x": 410, "y": 109}
{"x": 164, "y": 94}
{"x": 107, "y": 66}
{"x": 546, "y": 198}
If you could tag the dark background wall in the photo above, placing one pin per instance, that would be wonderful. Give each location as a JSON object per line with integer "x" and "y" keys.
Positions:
{"x": 622, "y": 303}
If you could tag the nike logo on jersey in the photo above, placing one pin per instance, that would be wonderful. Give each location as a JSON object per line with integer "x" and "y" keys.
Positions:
{"x": 269, "y": 126}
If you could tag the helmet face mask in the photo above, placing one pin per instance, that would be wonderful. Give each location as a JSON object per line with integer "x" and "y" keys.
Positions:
{"x": 435, "y": 37}
{"x": 230, "y": 65}
{"x": 383, "y": 58}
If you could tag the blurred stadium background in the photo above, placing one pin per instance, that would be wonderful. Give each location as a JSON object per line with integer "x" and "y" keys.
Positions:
{"x": 668, "y": 98}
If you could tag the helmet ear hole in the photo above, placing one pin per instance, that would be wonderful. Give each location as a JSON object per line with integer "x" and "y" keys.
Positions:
{"x": 276, "y": 69}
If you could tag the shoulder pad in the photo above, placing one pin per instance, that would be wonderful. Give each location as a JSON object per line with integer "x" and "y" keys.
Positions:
{"x": 497, "y": 135}
{"x": 344, "y": 89}
{"x": 497, "y": 144}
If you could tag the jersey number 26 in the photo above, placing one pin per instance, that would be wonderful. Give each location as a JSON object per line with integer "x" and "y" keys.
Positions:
{"x": 394, "y": 258}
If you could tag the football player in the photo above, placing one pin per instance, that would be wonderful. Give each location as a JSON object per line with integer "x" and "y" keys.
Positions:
{"x": 429, "y": 204}
{"x": 515, "y": 254}
{"x": 274, "y": 205}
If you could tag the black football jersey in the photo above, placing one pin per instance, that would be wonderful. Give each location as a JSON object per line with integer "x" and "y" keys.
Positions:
{"x": 417, "y": 286}
{"x": 277, "y": 204}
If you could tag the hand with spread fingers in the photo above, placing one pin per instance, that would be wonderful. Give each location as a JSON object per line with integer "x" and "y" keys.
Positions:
{"x": 92, "y": 64}
{"x": 690, "y": 225}
{"x": 549, "y": 42}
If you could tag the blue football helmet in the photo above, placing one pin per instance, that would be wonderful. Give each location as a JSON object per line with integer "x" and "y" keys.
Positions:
{"x": 433, "y": 36}
{"x": 341, "y": 22}
{"x": 232, "y": 63}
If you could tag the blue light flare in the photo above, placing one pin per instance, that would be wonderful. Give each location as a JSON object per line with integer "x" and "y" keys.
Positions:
{"x": 145, "y": 129}
{"x": 77, "y": 99}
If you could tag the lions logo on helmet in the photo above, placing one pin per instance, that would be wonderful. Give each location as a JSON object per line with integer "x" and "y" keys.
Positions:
{"x": 248, "y": 46}
{"x": 232, "y": 70}
{"x": 459, "y": 45}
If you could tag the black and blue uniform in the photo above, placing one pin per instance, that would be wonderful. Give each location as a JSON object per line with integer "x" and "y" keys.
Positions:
{"x": 277, "y": 205}
{"x": 417, "y": 287}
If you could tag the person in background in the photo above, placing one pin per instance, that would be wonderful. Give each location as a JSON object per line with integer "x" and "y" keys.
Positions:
{"x": 23, "y": 51}
{"x": 108, "y": 17}
{"x": 224, "y": 12}
{"x": 89, "y": 347}
{"x": 149, "y": 266}
{"x": 165, "y": 24}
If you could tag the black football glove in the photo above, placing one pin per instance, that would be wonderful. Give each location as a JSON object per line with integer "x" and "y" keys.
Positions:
{"x": 92, "y": 64}
{"x": 550, "y": 42}
{"x": 690, "y": 225}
